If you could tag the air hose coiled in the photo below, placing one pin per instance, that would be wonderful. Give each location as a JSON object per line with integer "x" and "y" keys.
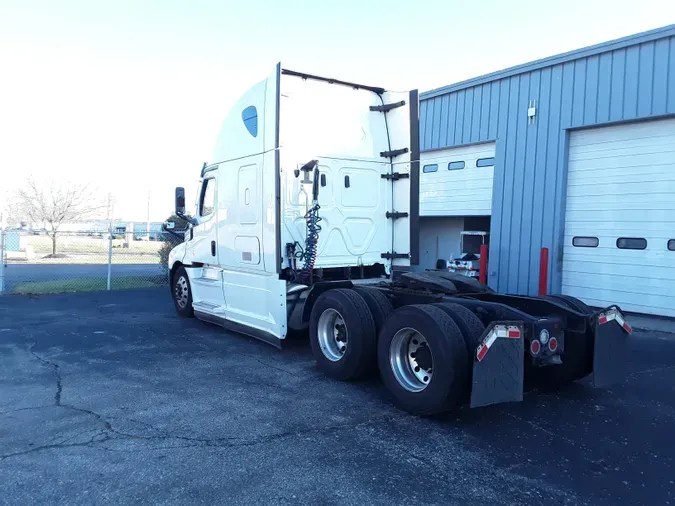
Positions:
{"x": 308, "y": 256}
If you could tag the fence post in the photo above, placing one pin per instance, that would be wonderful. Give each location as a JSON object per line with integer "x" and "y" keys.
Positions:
{"x": 543, "y": 272}
{"x": 110, "y": 242}
{"x": 2, "y": 260}
{"x": 482, "y": 273}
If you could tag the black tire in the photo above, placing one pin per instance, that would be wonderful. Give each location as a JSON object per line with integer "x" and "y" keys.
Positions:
{"x": 183, "y": 306}
{"x": 571, "y": 302}
{"x": 449, "y": 382}
{"x": 360, "y": 353}
{"x": 470, "y": 325}
{"x": 378, "y": 303}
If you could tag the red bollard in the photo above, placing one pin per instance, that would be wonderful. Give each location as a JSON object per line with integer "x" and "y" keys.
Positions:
{"x": 482, "y": 273}
{"x": 543, "y": 272}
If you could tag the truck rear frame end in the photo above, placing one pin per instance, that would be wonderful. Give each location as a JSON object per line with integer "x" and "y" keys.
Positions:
{"x": 437, "y": 350}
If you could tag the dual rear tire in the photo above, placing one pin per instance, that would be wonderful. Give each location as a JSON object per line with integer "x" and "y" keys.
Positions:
{"x": 423, "y": 352}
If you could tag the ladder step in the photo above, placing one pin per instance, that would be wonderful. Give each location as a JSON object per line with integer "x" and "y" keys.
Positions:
{"x": 396, "y": 176}
{"x": 396, "y": 215}
{"x": 393, "y": 153}
{"x": 387, "y": 107}
{"x": 394, "y": 255}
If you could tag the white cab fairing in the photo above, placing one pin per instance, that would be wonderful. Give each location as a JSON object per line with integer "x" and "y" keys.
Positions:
{"x": 334, "y": 125}
{"x": 236, "y": 255}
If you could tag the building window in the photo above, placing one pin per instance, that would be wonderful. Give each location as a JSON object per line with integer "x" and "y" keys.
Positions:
{"x": 671, "y": 245}
{"x": 456, "y": 165}
{"x": 585, "y": 242}
{"x": 631, "y": 243}
{"x": 430, "y": 168}
{"x": 485, "y": 162}
{"x": 250, "y": 118}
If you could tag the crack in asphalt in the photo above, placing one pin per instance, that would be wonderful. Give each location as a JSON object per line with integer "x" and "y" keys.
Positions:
{"x": 57, "y": 373}
{"x": 51, "y": 446}
{"x": 110, "y": 433}
{"x": 226, "y": 442}
{"x": 273, "y": 366}
{"x": 29, "y": 408}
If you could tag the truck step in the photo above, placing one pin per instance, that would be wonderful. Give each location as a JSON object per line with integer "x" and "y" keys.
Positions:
{"x": 394, "y": 255}
{"x": 395, "y": 215}
{"x": 387, "y": 107}
{"x": 395, "y": 176}
{"x": 393, "y": 153}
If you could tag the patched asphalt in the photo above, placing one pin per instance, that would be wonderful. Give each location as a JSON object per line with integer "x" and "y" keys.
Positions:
{"x": 110, "y": 398}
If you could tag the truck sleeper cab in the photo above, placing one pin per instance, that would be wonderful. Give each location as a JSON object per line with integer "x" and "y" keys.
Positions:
{"x": 307, "y": 218}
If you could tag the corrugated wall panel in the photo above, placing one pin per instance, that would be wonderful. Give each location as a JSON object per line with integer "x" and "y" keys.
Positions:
{"x": 630, "y": 90}
{"x": 622, "y": 84}
{"x": 604, "y": 87}
{"x": 591, "y": 91}
{"x": 661, "y": 54}
{"x": 618, "y": 76}
{"x": 452, "y": 118}
{"x": 555, "y": 145}
{"x": 671, "y": 81}
{"x": 541, "y": 173}
{"x": 645, "y": 91}
{"x": 485, "y": 112}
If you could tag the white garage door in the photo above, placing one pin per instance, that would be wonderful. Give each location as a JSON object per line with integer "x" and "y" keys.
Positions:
{"x": 457, "y": 181}
{"x": 620, "y": 219}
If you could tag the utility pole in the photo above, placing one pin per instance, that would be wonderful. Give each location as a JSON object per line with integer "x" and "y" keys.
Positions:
{"x": 148, "y": 225}
{"x": 110, "y": 213}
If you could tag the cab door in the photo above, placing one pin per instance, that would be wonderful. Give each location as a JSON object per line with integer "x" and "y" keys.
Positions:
{"x": 206, "y": 278}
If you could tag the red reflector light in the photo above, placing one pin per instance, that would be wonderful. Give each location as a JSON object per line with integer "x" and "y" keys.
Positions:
{"x": 482, "y": 351}
{"x": 553, "y": 344}
{"x": 602, "y": 319}
{"x": 514, "y": 333}
{"x": 535, "y": 347}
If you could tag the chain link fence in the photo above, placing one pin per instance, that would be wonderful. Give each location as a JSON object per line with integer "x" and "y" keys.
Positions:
{"x": 41, "y": 262}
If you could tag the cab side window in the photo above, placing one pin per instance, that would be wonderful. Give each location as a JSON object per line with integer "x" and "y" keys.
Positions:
{"x": 208, "y": 197}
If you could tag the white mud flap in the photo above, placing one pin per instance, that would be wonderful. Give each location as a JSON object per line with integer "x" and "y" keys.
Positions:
{"x": 610, "y": 353}
{"x": 498, "y": 365}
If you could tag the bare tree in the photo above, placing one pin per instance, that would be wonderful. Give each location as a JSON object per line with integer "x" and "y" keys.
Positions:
{"x": 52, "y": 204}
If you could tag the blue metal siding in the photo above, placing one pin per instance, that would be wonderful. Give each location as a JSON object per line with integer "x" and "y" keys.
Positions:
{"x": 624, "y": 83}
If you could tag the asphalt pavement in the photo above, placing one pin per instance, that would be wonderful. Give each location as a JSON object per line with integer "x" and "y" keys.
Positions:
{"x": 110, "y": 398}
{"x": 15, "y": 274}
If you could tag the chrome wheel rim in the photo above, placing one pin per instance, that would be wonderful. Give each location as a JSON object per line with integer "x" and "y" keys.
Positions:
{"x": 181, "y": 292}
{"x": 332, "y": 334}
{"x": 411, "y": 360}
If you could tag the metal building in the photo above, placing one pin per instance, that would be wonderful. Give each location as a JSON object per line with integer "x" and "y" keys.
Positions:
{"x": 575, "y": 153}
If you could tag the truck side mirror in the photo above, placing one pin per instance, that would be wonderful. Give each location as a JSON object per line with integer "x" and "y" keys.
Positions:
{"x": 180, "y": 201}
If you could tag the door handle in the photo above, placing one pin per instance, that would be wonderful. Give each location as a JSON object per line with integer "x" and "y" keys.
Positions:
{"x": 213, "y": 248}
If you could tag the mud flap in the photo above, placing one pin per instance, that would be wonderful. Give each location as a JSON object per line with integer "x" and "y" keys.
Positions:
{"x": 610, "y": 355}
{"x": 498, "y": 365}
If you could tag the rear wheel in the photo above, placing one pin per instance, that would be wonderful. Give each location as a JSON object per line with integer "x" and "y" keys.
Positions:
{"x": 182, "y": 293}
{"x": 470, "y": 325}
{"x": 423, "y": 360}
{"x": 571, "y": 302}
{"x": 378, "y": 303}
{"x": 342, "y": 334}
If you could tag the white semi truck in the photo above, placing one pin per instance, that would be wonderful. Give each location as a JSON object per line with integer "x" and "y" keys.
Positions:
{"x": 307, "y": 218}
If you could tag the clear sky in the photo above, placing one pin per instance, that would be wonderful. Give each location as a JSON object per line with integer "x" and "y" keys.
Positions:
{"x": 129, "y": 94}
